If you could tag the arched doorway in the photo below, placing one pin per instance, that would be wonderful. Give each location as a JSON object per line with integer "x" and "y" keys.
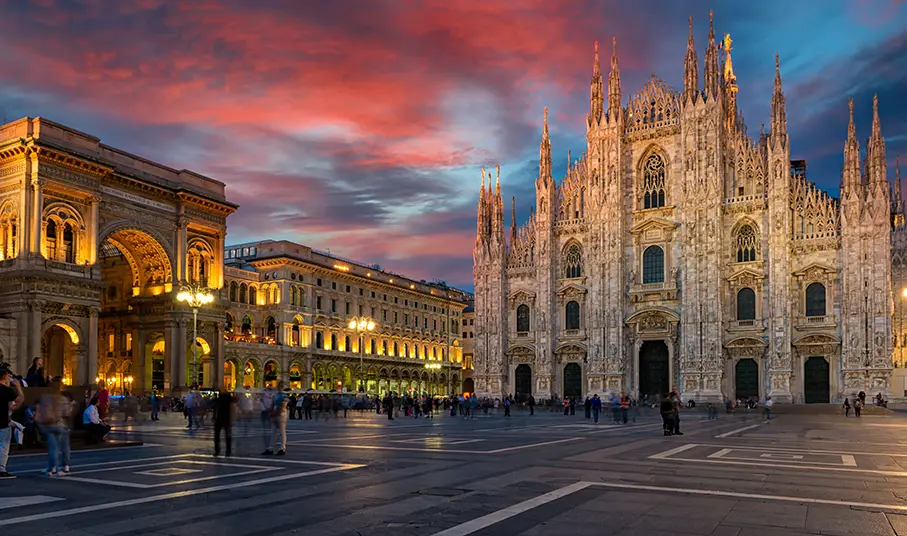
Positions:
{"x": 816, "y": 381}
{"x": 522, "y": 384}
{"x": 230, "y": 375}
{"x": 654, "y": 372}
{"x": 746, "y": 379}
{"x": 295, "y": 376}
{"x": 469, "y": 386}
{"x": 573, "y": 381}
{"x": 251, "y": 373}
{"x": 60, "y": 352}
{"x": 272, "y": 374}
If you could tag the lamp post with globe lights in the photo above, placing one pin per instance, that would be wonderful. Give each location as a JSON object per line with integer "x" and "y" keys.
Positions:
{"x": 195, "y": 296}
{"x": 361, "y": 324}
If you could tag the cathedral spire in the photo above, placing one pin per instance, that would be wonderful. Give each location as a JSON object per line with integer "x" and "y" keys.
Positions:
{"x": 614, "y": 83}
{"x": 710, "y": 78}
{"x": 779, "y": 109}
{"x": 512, "y": 220}
{"x": 875, "y": 148}
{"x": 851, "y": 154}
{"x": 545, "y": 152}
{"x": 691, "y": 68}
{"x": 596, "y": 92}
{"x": 730, "y": 84}
{"x": 481, "y": 220}
{"x": 898, "y": 201}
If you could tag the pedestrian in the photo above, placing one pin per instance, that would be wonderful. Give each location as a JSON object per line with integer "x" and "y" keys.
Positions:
{"x": 155, "y": 406}
{"x": 265, "y": 405}
{"x": 767, "y": 408}
{"x": 52, "y": 416}
{"x": 566, "y": 406}
{"x": 11, "y": 396}
{"x": 103, "y": 400}
{"x": 507, "y": 406}
{"x": 615, "y": 408}
{"x": 713, "y": 412}
{"x": 858, "y": 407}
{"x": 675, "y": 405}
{"x": 223, "y": 421}
{"x": 278, "y": 418}
{"x": 587, "y": 405}
{"x": 847, "y": 407}
{"x": 596, "y": 406}
{"x": 91, "y": 422}
{"x": 667, "y": 415}
{"x": 389, "y": 405}
{"x": 624, "y": 408}
{"x": 531, "y": 404}
{"x": 307, "y": 406}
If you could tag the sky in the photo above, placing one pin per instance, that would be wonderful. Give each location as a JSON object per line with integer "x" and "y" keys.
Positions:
{"x": 360, "y": 126}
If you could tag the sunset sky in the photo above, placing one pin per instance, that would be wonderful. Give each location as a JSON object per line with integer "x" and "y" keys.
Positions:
{"x": 360, "y": 126}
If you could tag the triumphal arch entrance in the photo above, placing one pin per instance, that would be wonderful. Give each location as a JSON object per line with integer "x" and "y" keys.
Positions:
{"x": 95, "y": 243}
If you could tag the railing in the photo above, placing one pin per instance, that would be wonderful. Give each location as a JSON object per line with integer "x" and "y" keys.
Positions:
{"x": 745, "y": 198}
{"x": 250, "y": 338}
{"x": 743, "y": 325}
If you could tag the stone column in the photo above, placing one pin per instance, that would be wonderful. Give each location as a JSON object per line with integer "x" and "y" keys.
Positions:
{"x": 178, "y": 365}
{"x": 36, "y": 216}
{"x": 139, "y": 381}
{"x": 23, "y": 317}
{"x": 219, "y": 354}
{"x": 92, "y": 230}
{"x": 170, "y": 355}
{"x": 35, "y": 332}
{"x": 219, "y": 260}
{"x": 91, "y": 367}
{"x": 23, "y": 224}
{"x": 182, "y": 242}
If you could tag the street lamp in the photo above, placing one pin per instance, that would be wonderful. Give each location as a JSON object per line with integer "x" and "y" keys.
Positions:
{"x": 195, "y": 296}
{"x": 360, "y": 324}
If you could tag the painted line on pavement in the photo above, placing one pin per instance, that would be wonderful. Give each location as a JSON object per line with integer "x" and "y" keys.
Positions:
{"x": 90, "y": 451}
{"x": 485, "y": 521}
{"x": 673, "y": 451}
{"x": 737, "y": 431}
{"x": 28, "y": 500}
{"x": 174, "y": 495}
{"x": 420, "y": 449}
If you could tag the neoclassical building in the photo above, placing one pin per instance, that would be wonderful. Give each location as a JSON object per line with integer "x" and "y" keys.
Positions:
{"x": 289, "y": 309}
{"x": 679, "y": 251}
{"x": 94, "y": 243}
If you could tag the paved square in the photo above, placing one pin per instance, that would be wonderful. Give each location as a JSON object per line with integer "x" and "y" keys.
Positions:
{"x": 127, "y": 476}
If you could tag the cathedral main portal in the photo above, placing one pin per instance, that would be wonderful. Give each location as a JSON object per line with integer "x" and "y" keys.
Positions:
{"x": 654, "y": 373}
{"x": 816, "y": 381}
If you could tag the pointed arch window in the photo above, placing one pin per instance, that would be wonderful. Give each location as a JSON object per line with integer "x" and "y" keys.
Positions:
{"x": 573, "y": 262}
{"x": 522, "y": 318}
{"x": 253, "y": 295}
{"x": 815, "y": 299}
{"x": 653, "y": 175}
{"x": 319, "y": 340}
{"x": 233, "y": 291}
{"x": 246, "y": 327}
{"x": 272, "y": 327}
{"x": 653, "y": 265}
{"x": 243, "y": 289}
{"x": 228, "y": 323}
{"x": 745, "y": 243}
{"x": 295, "y": 333}
{"x": 396, "y": 352}
{"x": 333, "y": 342}
{"x": 746, "y": 304}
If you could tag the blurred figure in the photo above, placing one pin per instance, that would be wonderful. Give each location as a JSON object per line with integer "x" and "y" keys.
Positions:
{"x": 278, "y": 423}
{"x": 10, "y": 395}
{"x": 155, "y": 406}
{"x": 52, "y": 417}
{"x": 245, "y": 408}
{"x": 103, "y": 396}
{"x": 223, "y": 420}
{"x": 266, "y": 403}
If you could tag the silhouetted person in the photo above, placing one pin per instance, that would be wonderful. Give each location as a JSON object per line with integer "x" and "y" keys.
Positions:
{"x": 223, "y": 420}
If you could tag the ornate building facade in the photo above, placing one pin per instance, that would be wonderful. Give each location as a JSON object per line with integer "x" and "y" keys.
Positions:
{"x": 288, "y": 317}
{"x": 95, "y": 244}
{"x": 678, "y": 251}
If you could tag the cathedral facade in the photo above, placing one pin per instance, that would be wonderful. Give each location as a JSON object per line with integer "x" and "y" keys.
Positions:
{"x": 680, "y": 252}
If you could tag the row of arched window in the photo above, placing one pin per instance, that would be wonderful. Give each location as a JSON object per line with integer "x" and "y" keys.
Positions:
{"x": 373, "y": 347}
{"x": 815, "y": 302}
{"x": 571, "y": 317}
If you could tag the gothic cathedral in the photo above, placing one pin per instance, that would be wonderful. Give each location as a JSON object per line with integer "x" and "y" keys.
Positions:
{"x": 678, "y": 252}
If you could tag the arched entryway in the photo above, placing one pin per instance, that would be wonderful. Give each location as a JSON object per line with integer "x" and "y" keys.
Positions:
{"x": 60, "y": 352}
{"x": 522, "y": 381}
{"x": 469, "y": 386}
{"x": 230, "y": 375}
{"x": 654, "y": 370}
{"x": 816, "y": 381}
{"x": 746, "y": 379}
{"x": 573, "y": 381}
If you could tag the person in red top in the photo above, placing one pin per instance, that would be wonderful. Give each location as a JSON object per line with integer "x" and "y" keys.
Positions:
{"x": 103, "y": 400}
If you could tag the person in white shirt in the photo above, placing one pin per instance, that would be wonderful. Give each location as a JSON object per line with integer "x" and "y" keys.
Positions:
{"x": 767, "y": 408}
{"x": 91, "y": 421}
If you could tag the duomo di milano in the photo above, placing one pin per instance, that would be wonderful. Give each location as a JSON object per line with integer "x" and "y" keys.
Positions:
{"x": 678, "y": 251}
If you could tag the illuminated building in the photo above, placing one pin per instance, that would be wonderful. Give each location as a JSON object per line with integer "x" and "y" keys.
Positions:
{"x": 289, "y": 308}
{"x": 678, "y": 251}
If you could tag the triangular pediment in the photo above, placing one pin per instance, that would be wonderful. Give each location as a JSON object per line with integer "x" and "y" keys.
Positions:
{"x": 653, "y": 222}
{"x": 813, "y": 268}
{"x": 571, "y": 289}
{"x": 521, "y": 296}
{"x": 746, "y": 273}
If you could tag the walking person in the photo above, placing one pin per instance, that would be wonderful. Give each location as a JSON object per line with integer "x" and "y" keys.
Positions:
{"x": 587, "y": 406}
{"x": 11, "y": 396}
{"x": 224, "y": 412}
{"x": 858, "y": 407}
{"x": 624, "y": 408}
{"x": 767, "y": 408}
{"x": 507, "y": 406}
{"x": 847, "y": 407}
{"x": 265, "y": 405}
{"x": 596, "y": 406}
{"x": 278, "y": 418}
{"x": 667, "y": 415}
{"x": 52, "y": 415}
{"x": 307, "y": 406}
{"x": 155, "y": 406}
{"x": 531, "y": 404}
{"x": 675, "y": 410}
{"x": 615, "y": 408}
{"x": 389, "y": 405}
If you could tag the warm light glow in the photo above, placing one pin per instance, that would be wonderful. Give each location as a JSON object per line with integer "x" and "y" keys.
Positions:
{"x": 433, "y": 366}
{"x": 73, "y": 336}
{"x": 352, "y": 324}
{"x": 391, "y": 280}
{"x": 368, "y": 274}
{"x": 412, "y": 286}
{"x": 158, "y": 348}
{"x": 342, "y": 268}
{"x": 370, "y": 326}
{"x": 206, "y": 348}
{"x": 905, "y": 292}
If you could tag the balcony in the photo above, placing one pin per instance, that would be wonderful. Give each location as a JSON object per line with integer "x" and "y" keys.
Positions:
{"x": 663, "y": 290}
{"x": 251, "y": 338}
{"x": 826, "y": 321}
{"x": 747, "y": 325}
{"x": 572, "y": 334}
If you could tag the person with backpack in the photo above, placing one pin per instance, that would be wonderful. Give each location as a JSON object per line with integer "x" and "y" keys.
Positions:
{"x": 53, "y": 415}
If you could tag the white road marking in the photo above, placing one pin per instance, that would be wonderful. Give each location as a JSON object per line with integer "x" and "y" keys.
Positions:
{"x": 496, "y": 517}
{"x": 27, "y": 500}
{"x": 719, "y": 454}
{"x": 737, "y": 431}
{"x": 91, "y": 451}
{"x": 778, "y": 456}
{"x": 673, "y": 451}
{"x": 174, "y": 495}
{"x": 423, "y": 449}
{"x": 803, "y": 466}
{"x": 800, "y": 450}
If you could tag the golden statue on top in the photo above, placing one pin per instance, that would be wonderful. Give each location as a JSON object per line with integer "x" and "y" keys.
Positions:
{"x": 727, "y": 42}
